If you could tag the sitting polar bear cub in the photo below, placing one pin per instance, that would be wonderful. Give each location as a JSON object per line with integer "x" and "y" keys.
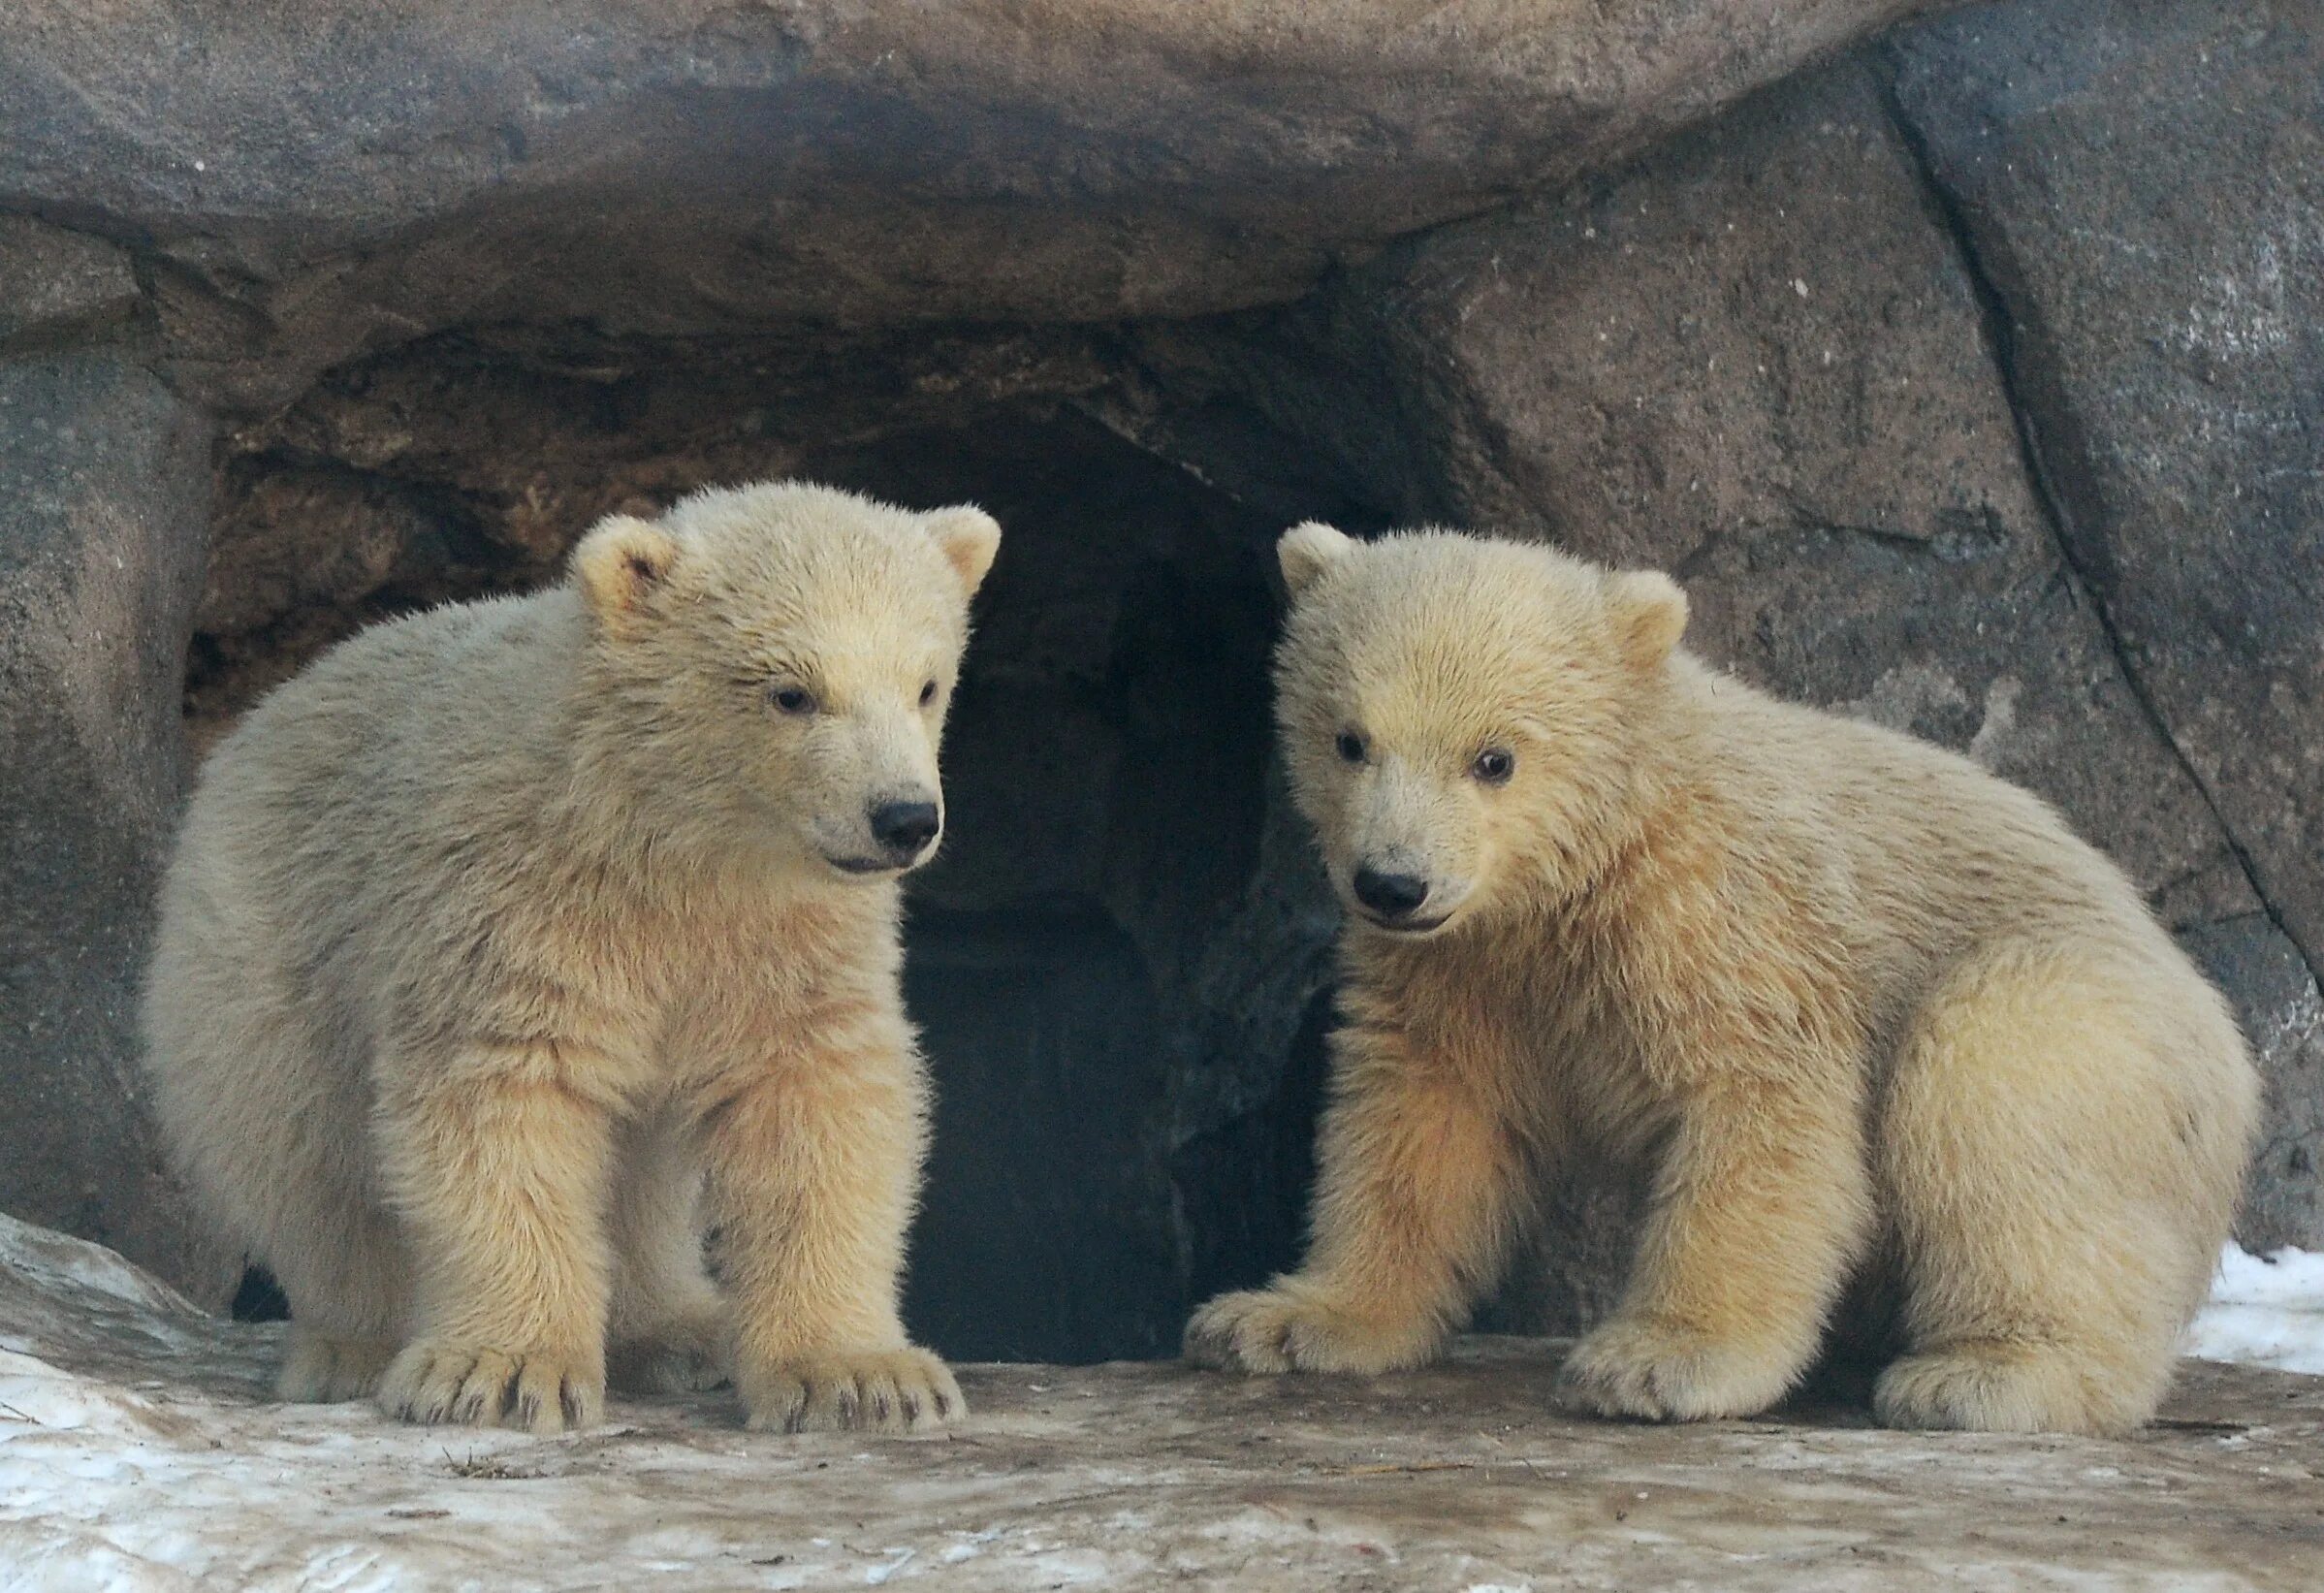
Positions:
{"x": 494, "y": 931}
{"x": 1878, "y": 1015}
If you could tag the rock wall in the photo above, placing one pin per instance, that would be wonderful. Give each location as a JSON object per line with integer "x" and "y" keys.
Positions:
{"x": 106, "y": 479}
{"x": 1971, "y": 378}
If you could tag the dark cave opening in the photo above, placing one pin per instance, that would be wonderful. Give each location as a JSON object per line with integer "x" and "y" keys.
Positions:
{"x": 1121, "y": 1014}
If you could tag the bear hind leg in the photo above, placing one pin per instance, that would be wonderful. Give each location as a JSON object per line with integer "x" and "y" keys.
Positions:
{"x": 320, "y": 1367}
{"x": 2058, "y": 1195}
{"x": 670, "y": 1328}
{"x": 348, "y": 1283}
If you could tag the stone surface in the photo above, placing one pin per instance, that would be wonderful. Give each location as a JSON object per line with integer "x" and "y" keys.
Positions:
{"x": 56, "y": 284}
{"x": 138, "y": 1451}
{"x": 468, "y": 463}
{"x": 1676, "y": 367}
{"x": 308, "y": 181}
{"x": 2141, "y": 185}
{"x": 99, "y": 554}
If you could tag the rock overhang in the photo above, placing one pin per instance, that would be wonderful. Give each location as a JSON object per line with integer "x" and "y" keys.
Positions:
{"x": 305, "y": 182}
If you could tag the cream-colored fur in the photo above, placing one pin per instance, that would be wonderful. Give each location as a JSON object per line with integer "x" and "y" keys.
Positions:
{"x": 507, "y": 935}
{"x": 1874, "y": 1014}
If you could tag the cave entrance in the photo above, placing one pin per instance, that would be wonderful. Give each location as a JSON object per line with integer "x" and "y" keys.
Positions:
{"x": 1120, "y": 1011}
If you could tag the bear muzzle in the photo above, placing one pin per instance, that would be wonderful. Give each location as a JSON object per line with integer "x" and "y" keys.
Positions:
{"x": 904, "y": 835}
{"x": 1397, "y": 901}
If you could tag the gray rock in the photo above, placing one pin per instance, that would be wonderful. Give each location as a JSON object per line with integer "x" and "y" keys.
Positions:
{"x": 1971, "y": 383}
{"x": 1677, "y": 368}
{"x": 2142, "y": 186}
{"x": 100, "y": 558}
{"x": 55, "y": 283}
{"x": 311, "y": 188}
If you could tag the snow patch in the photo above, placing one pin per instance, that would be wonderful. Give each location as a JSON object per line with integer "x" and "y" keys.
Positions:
{"x": 35, "y": 1396}
{"x": 2264, "y": 1309}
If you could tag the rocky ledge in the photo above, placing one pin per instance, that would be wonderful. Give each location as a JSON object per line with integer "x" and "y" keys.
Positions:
{"x": 341, "y": 173}
{"x": 139, "y": 1451}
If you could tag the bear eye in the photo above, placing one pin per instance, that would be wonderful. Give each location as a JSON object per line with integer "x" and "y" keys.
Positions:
{"x": 1350, "y": 746}
{"x": 794, "y": 699}
{"x": 1494, "y": 765}
{"x": 928, "y": 694}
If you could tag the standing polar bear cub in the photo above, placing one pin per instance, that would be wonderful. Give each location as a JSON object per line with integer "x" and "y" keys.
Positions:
{"x": 507, "y": 935}
{"x": 1878, "y": 1017}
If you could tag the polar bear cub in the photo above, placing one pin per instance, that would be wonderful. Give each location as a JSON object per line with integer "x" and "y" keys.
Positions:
{"x": 1876, "y": 1017}
{"x": 511, "y": 944}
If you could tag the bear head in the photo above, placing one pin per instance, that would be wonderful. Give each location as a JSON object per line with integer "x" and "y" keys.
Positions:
{"x": 1464, "y": 720}
{"x": 768, "y": 669}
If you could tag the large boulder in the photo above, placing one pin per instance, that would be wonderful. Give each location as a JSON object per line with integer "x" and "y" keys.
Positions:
{"x": 1681, "y": 366}
{"x": 309, "y": 183}
{"x": 108, "y": 484}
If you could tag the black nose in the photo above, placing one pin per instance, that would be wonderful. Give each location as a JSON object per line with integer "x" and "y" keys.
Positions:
{"x": 1390, "y": 895}
{"x": 906, "y": 828}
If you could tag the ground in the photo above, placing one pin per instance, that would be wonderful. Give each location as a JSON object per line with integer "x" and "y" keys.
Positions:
{"x": 139, "y": 1451}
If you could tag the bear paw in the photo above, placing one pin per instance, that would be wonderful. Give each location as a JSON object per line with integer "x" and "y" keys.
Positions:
{"x": 1659, "y": 1371}
{"x": 540, "y": 1390}
{"x": 321, "y": 1368}
{"x": 905, "y": 1390}
{"x": 1998, "y": 1386}
{"x": 682, "y": 1356}
{"x": 1286, "y": 1329}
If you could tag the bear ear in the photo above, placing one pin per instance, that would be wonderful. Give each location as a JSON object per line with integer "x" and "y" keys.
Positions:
{"x": 1307, "y": 549}
{"x": 621, "y": 563}
{"x": 1649, "y": 616}
{"x": 970, "y": 538}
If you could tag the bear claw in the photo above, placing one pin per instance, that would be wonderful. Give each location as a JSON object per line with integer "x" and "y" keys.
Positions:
{"x": 539, "y": 1392}
{"x": 906, "y": 1390}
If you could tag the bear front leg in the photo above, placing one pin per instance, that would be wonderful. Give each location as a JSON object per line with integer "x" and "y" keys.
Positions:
{"x": 1762, "y": 1206}
{"x": 498, "y": 1168}
{"x": 815, "y": 1168}
{"x": 1417, "y": 1192}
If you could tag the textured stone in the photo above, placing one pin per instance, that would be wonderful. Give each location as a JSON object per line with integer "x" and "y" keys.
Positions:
{"x": 99, "y": 552}
{"x": 2143, "y": 186}
{"x": 1677, "y": 368}
{"x": 2142, "y": 189}
{"x": 1970, "y": 383}
{"x": 54, "y": 284}
{"x": 346, "y": 175}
